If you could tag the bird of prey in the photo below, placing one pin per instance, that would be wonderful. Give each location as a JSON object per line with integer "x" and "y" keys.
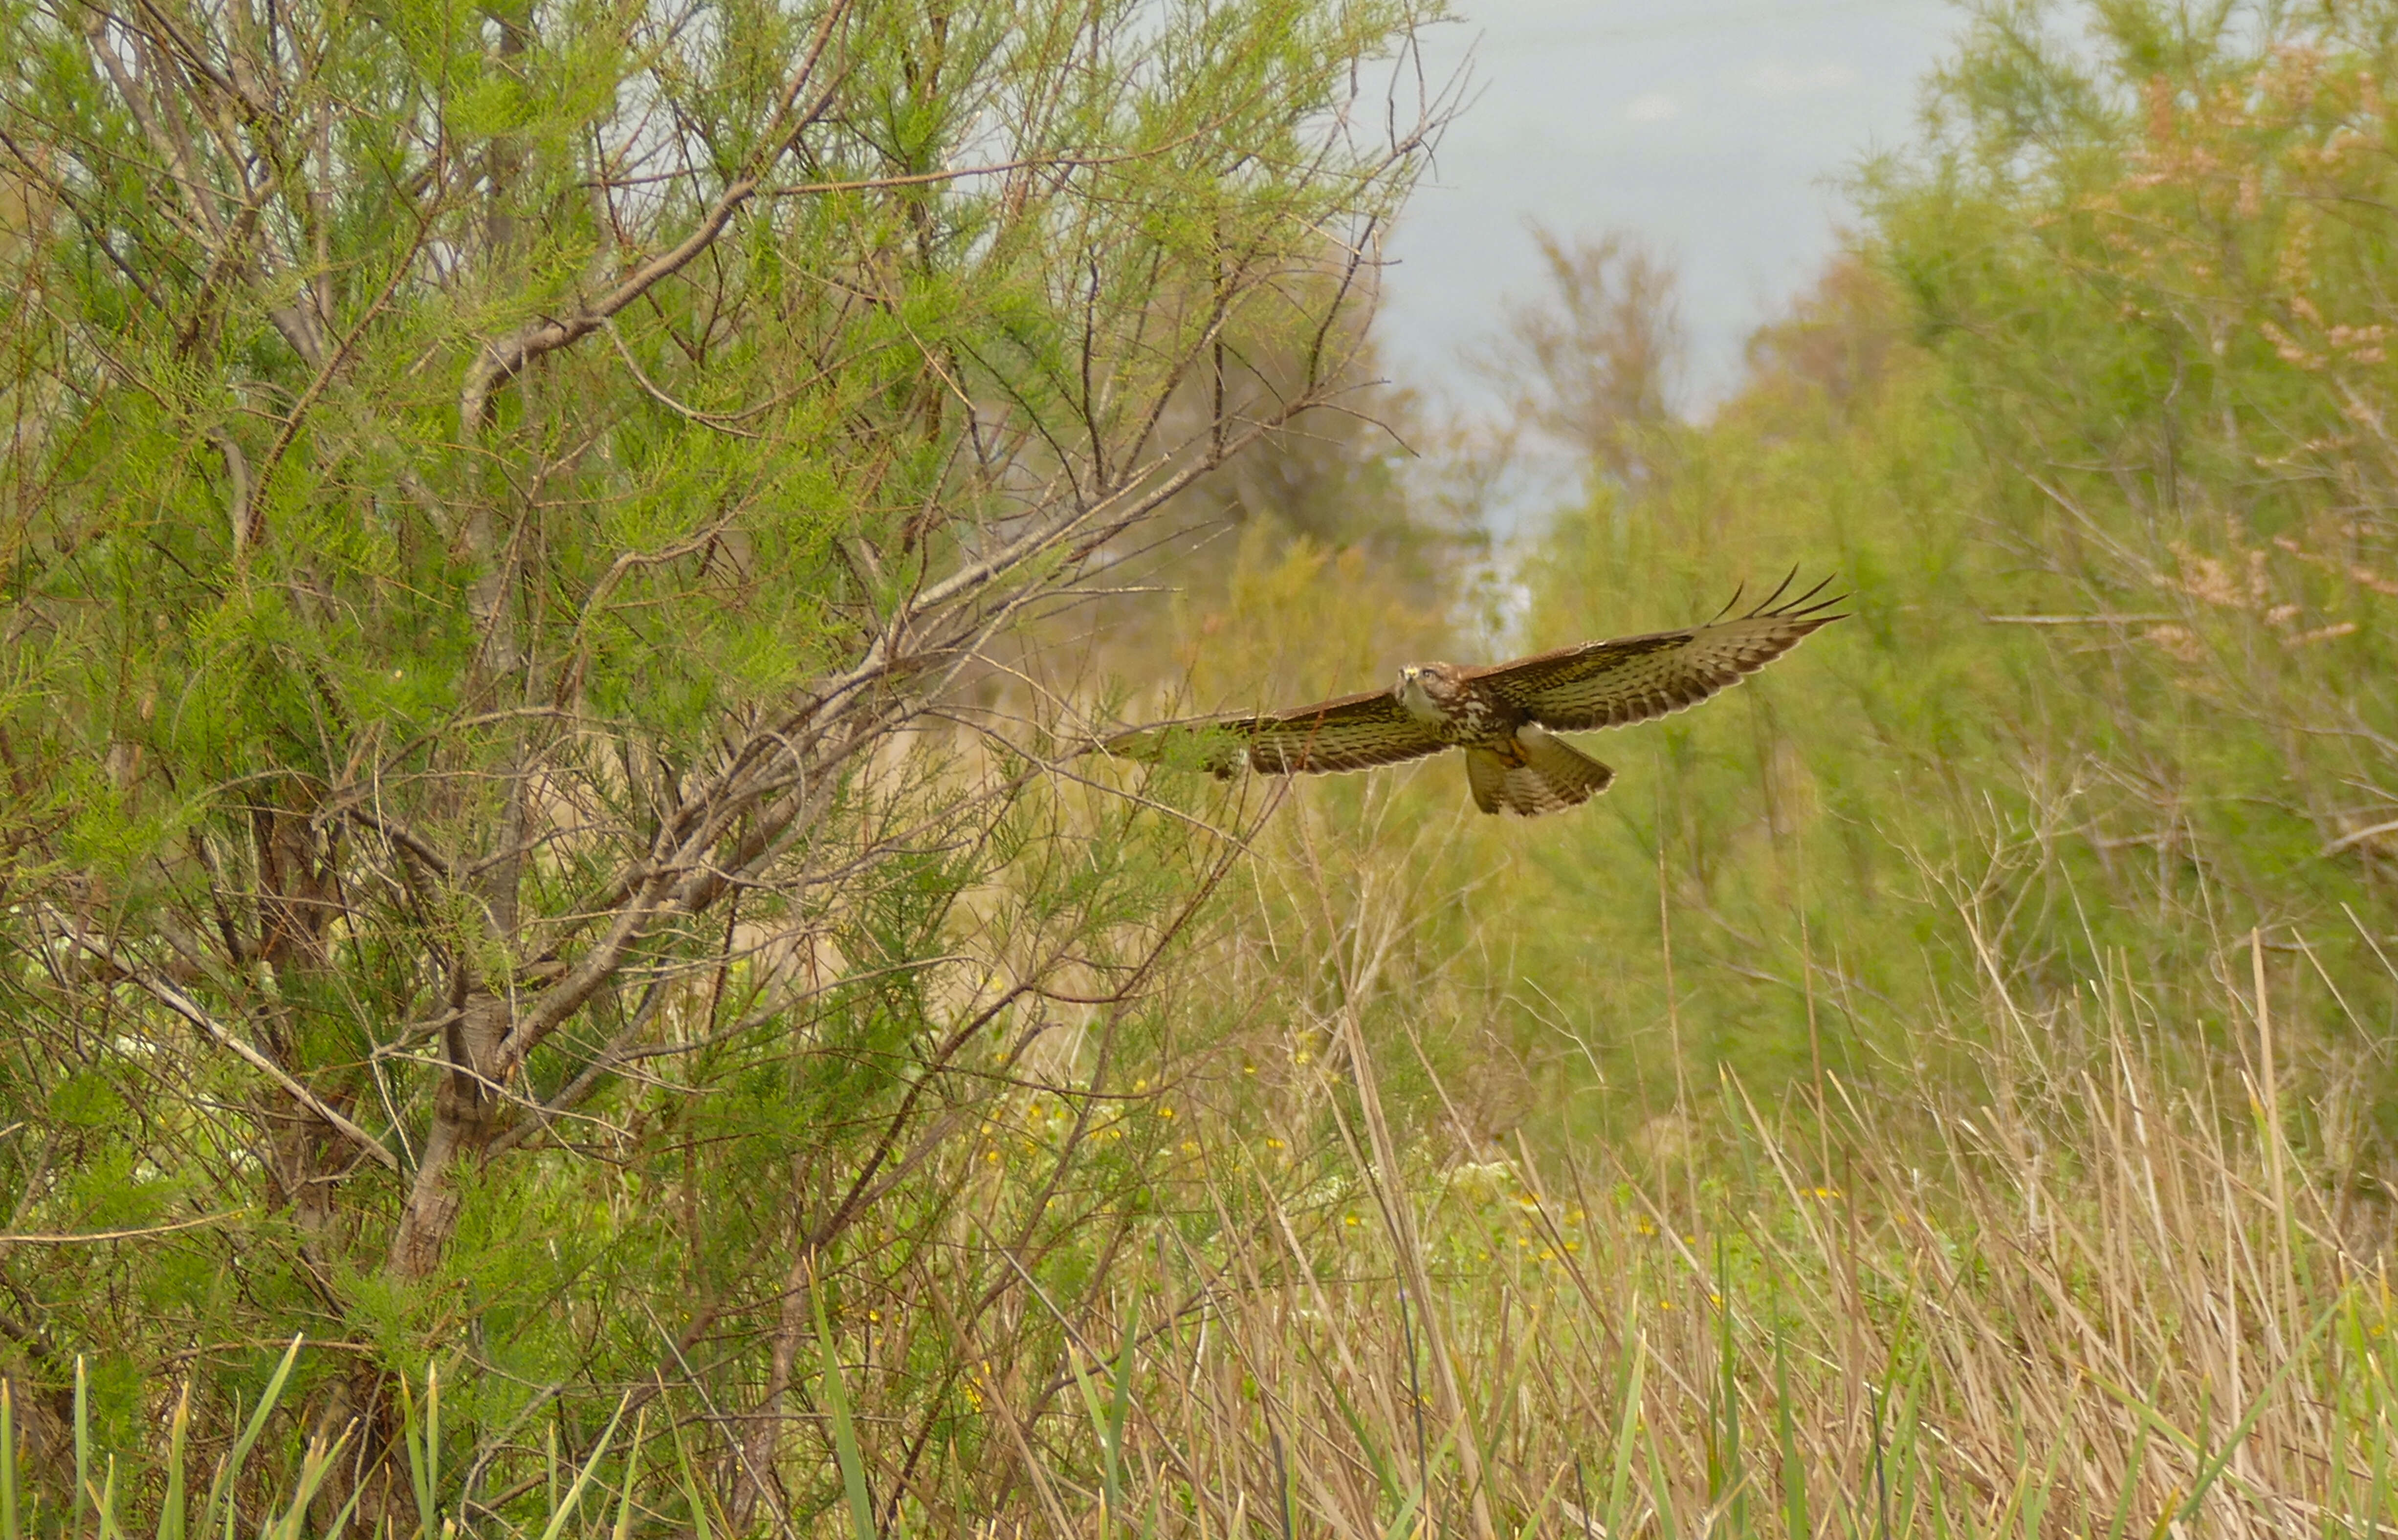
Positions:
{"x": 1500, "y": 716}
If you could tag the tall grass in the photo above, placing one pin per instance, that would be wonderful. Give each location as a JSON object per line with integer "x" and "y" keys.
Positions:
{"x": 2131, "y": 1286}
{"x": 1494, "y": 1184}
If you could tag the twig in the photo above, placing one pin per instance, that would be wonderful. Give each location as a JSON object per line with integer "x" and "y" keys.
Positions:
{"x": 2077, "y": 619}
{"x": 2360, "y": 836}
{"x": 501, "y": 360}
{"x": 136, "y": 1232}
{"x": 185, "y": 1006}
{"x": 705, "y": 420}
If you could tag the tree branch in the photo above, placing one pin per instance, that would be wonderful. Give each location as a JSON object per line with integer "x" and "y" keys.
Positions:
{"x": 185, "y": 1006}
{"x": 501, "y": 361}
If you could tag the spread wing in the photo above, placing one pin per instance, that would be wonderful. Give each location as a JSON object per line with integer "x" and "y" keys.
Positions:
{"x": 1353, "y": 734}
{"x": 1633, "y": 678}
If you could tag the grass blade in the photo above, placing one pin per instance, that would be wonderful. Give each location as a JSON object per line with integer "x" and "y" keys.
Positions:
{"x": 1794, "y": 1470}
{"x": 845, "y": 1432}
{"x": 82, "y": 1446}
{"x": 317, "y": 1465}
{"x": 2215, "y": 1466}
{"x": 561, "y": 1511}
{"x": 170, "y": 1510}
{"x": 7, "y": 1459}
{"x": 1619, "y": 1489}
{"x": 624, "y": 1527}
{"x": 229, "y": 1470}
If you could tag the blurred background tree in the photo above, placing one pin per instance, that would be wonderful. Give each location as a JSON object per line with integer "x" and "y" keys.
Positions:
{"x": 2087, "y": 422}
{"x": 1593, "y": 362}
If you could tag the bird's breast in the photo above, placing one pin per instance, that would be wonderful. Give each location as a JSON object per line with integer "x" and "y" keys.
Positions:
{"x": 1463, "y": 714}
{"x": 1473, "y": 717}
{"x": 1418, "y": 702}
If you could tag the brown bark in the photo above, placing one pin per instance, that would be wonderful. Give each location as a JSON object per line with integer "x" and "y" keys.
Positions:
{"x": 298, "y": 894}
{"x": 465, "y": 1109}
{"x": 764, "y": 1453}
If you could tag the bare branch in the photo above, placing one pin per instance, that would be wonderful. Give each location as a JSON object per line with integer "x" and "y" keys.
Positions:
{"x": 501, "y": 360}
{"x": 185, "y": 1006}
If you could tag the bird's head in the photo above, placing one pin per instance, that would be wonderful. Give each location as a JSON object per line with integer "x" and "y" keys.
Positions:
{"x": 1423, "y": 690}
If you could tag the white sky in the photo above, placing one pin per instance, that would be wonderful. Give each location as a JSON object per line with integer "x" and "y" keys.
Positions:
{"x": 1715, "y": 129}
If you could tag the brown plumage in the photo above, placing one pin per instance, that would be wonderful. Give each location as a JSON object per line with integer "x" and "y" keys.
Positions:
{"x": 1501, "y": 715}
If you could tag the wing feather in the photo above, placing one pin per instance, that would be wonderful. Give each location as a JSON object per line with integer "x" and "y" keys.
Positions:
{"x": 1633, "y": 678}
{"x": 1353, "y": 732}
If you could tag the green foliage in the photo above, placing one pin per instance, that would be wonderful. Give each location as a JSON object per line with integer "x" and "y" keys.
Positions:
{"x": 520, "y": 846}
{"x": 493, "y": 497}
{"x": 2089, "y": 430}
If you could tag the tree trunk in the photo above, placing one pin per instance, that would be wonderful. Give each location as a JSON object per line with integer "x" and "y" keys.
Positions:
{"x": 464, "y": 1110}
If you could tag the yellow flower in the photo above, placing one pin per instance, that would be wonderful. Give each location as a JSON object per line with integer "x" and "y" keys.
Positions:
{"x": 1165, "y": 1111}
{"x": 1352, "y": 1219}
{"x": 1191, "y": 1146}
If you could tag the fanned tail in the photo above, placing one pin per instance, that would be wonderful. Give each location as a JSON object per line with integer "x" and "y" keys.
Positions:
{"x": 1533, "y": 773}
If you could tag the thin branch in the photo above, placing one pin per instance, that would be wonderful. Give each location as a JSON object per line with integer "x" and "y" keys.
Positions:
{"x": 501, "y": 361}
{"x": 185, "y": 1006}
{"x": 2346, "y": 841}
{"x": 705, "y": 420}
{"x": 88, "y": 1237}
{"x": 2077, "y": 619}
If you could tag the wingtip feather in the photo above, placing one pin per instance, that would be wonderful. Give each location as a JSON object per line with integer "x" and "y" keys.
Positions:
{"x": 1774, "y": 606}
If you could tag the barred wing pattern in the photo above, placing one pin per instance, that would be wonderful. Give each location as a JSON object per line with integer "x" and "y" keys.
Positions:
{"x": 1355, "y": 732}
{"x": 1633, "y": 678}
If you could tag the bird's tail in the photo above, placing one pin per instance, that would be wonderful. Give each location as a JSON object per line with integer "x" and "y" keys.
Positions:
{"x": 1533, "y": 773}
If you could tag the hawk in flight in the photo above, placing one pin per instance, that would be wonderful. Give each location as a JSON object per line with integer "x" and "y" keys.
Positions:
{"x": 1500, "y": 716}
